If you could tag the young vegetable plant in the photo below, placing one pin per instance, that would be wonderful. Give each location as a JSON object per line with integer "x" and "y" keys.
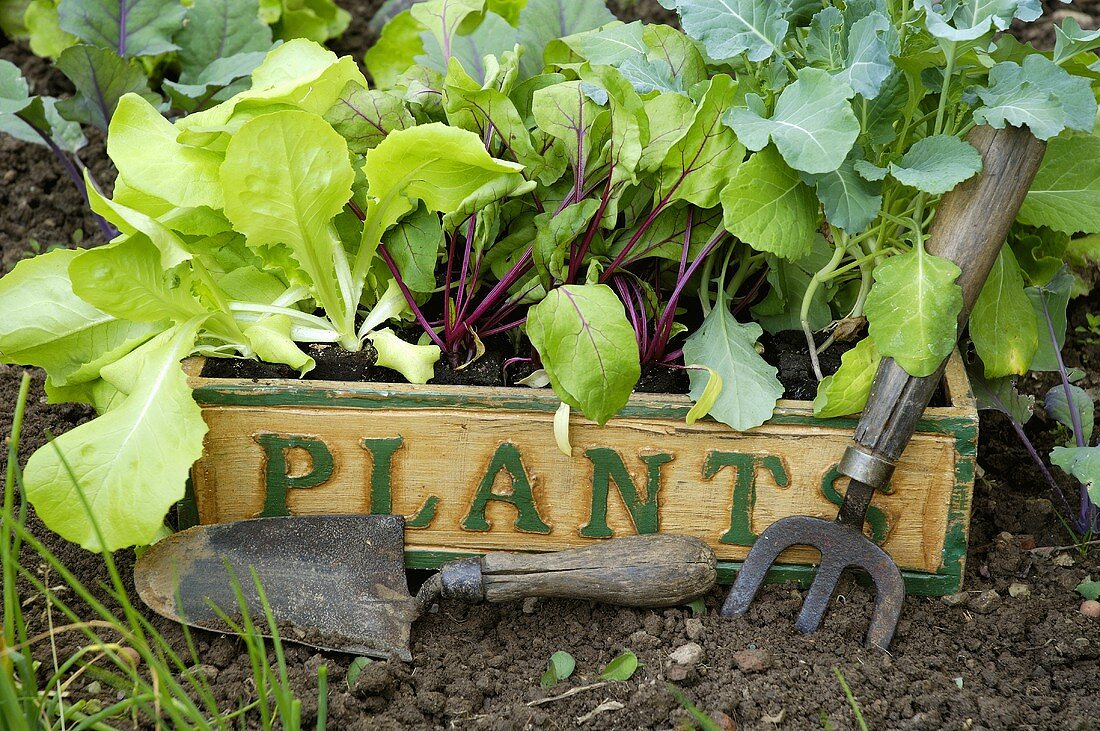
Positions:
{"x": 181, "y": 57}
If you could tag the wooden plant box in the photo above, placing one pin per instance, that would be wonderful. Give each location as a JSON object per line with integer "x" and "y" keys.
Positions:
{"x": 477, "y": 469}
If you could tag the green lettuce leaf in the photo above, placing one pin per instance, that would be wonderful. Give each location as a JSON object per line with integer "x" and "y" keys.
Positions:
{"x": 286, "y": 175}
{"x": 142, "y": 144}
{"x": 131, "y": 463}
{"x": 55, "y": 329}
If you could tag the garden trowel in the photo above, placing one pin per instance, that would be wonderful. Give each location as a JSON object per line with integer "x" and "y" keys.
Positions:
{"x": 969, "y": 228}
{"x": 337, "y": 582}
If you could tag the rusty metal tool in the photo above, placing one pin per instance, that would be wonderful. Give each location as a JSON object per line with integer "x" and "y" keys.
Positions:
{"x": 337, "y": 582}
{"x": 969, "y": 228}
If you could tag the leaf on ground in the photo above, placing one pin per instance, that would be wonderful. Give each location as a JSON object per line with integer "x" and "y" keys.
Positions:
{"x": 1088, "y": 588}
{"x": 559, "y": 668}
{"x": 621, "y": 668}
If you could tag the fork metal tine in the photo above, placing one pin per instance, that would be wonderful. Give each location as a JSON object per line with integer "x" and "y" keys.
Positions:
{"x": 841, "y": 547}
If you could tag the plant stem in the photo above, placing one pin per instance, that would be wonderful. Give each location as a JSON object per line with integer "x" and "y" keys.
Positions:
{"x": 409, "y": 298}
{"x": 807, "y": 299}
{"x": 108, "y": 230}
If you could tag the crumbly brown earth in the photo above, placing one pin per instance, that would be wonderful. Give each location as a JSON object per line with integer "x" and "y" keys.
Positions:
{"x": 1019, "y": 659}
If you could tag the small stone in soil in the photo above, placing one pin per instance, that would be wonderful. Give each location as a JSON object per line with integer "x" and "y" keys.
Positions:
{"x": 689, "y": 654}
{"x": 694, "y": 627}
{"x": 752, "y": 661}
{"x": 954, "y": 600}
{"x": 1091, "y": 608}
{"x": 985, "y": 602}
{"x": 530, "y": 604}
{"x": 1017, "y": 590}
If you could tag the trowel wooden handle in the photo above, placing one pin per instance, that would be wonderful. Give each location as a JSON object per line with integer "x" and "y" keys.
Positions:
{"x": 635, "y": 571}
{"x": 970, "y": 226}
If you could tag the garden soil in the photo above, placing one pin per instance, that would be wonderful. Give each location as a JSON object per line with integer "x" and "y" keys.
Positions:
{"x": 1012, "y": 651}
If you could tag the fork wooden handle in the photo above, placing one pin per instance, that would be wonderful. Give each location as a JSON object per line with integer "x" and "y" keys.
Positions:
{"x": 969, "y": 228}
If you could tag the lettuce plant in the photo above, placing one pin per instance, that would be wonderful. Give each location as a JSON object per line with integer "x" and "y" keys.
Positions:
{"x": 613, "y": 195}
{"x": 181, "y": 57}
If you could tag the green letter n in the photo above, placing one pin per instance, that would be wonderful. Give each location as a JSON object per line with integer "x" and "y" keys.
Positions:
{"x": 607, "y": 465}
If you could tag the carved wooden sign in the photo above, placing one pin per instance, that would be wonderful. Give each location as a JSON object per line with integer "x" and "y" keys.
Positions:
{"x": 477, "y": 469}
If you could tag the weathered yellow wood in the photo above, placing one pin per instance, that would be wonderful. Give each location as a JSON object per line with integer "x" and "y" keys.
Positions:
{"x": 439, "y": 459}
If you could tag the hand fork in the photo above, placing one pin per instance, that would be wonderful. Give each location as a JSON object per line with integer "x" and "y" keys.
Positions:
{"x": 970, "y": 226}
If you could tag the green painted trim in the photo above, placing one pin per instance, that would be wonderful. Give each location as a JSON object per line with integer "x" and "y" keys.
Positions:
{"x": 366, "y": 397}
{"x": 916, "y": 582}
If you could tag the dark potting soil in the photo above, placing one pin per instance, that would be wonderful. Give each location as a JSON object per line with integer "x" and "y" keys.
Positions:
{"x": 979, "y": 661}
{"x": 786, "y": 351}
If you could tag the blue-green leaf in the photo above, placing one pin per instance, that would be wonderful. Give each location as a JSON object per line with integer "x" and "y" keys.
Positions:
{"x": 1039, "y": 94}
{"x": 728, "y": 28}
{"x": 813, "y": 126}
{"x": 937, "y": 164}
{"x": 750, "y": 387}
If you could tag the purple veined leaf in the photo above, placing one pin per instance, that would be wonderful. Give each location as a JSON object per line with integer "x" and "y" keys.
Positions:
{"x": 130, "y": 28}
{"x": 101, "y": 78}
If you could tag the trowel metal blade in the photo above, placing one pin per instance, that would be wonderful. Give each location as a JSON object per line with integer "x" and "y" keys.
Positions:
{"x": 335, "y": 582}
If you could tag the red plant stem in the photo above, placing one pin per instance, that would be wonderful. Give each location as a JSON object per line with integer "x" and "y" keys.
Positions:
{"x": 664, "y": 327}
{"x": 503, "y": 328}
{"x": 467, "y": 250}
{"x": 577, "y": 258}
{"x": 409, "y": 298}
{"x": 618, "y": 260}
{"x": 521, "y": 267}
